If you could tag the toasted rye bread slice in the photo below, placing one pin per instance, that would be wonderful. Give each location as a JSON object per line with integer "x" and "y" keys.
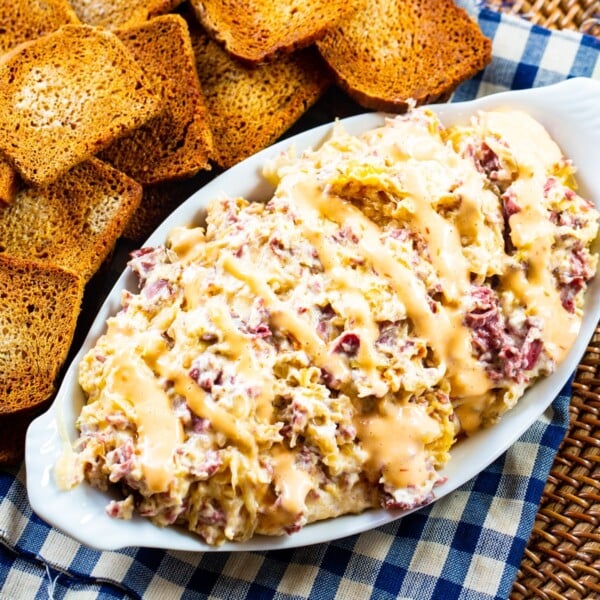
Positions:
{"x": 39, "y": 307}
{"x": 24, "y": 20}
{"x": 66, "y": 96}
{"x": 121, "y": 13}
{"x": 177, "y": 143}
{"x": 73, "y": 222}
{"x": 260, "y": 29}
{"x": 250, "y": 107}
{"x": 388, "y": 52}
{"x": 8, "y": 183}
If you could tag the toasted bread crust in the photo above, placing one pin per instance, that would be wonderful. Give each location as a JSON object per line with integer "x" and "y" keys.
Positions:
{"x": 121, "y": 13}
{"x": 73, "y": 222}
{"x": 176, "y": 143}
{"x": 24, "y": 20}
{"x": 38, "y": 315}
{"x": 250, "y": 107}
{"x": 262, "y": 29}
{"x": 389, "y": 52}
{"x": 66, "y": 96}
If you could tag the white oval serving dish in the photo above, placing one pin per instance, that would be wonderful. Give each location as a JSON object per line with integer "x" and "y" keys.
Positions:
{"x": 569, "y": 110}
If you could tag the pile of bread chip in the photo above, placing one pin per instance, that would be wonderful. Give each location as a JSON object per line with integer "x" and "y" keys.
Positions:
{"x": 107, "y": 106}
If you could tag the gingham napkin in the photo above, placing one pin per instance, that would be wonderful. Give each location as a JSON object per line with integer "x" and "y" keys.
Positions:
{"x": 466, "y": 546}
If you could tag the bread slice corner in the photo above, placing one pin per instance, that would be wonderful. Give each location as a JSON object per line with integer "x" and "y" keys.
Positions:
{"x": 388, "y": 54}
{"x": 67, "y": 95}
{"x": 111, "y": 14}
{"x": 177, "y": 143}
{"x": 73, "y": 222}
{"x": 251, "y": 106}
{"x": 259, "y": 30}
{"x": 39, "y": 307}
{"x": 24, "y": 20}
{"x": 9, "y": 182}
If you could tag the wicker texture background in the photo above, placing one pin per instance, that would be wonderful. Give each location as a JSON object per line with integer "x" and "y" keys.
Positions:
{"x": 562, "y": 558}
{"x": 577, "y": 15}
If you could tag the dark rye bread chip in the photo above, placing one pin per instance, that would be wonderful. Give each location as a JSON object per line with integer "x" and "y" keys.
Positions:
{"x": 121, "y": 13}
{"x": 256, "y": 30}
{"x": 388, "y": 52}
{"x": 250, "y": 107}
{"x": 39, "y": 306}
{"x": 66, "y": 96}
{"x": 23, "y": 20}
{"x": 73, "y": 222}
{"x": 176, "y": 143}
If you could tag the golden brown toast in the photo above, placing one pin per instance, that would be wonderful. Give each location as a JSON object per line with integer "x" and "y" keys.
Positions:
{"x": 121, "y": 13}
{"x": 73, "y": 222}
{"x": 387, "y": 52}
{"x": 66, "y": 96}
{"x": 24, "y": 20}
{"x": 38, "y": 315}
{"x": 256, "y": 30}
{"x": 250, "y": 107}
{"x": 176, "y": 143}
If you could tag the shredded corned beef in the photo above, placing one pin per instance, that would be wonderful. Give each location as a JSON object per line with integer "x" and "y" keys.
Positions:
{"x": 488, "y": 162}
{"x": 390, "y": 503}
{"x": 120, "y": 461}
{"x": 143, "y": 261}
{"x": 348, "y": 343}
{"x": 508, "y": 354}
{"x": 258, "y": 322}
{"x": 204, "y": 469}
{"x": 160, "y": 289}
{"x": 509, "y": 203}
{"x": 572, "y": 280}
{"x": 206, "y": 371}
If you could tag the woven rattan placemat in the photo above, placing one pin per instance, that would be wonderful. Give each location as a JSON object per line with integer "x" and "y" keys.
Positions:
{"x": 577, "y": 15}
{"x": 562, "y": 558}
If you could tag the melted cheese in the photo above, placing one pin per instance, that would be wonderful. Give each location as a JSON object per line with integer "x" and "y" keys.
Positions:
{"x": 159, "y": 431}
{"x": 204, "y": 406}
{"x": 356, "y": 307}
{"x": 395, "y": 441}
{"x": 285, "y": 319}
{"x": 444, "y": 329}
{"x": 292, "y": 482}
{"x": 532, "y": 230}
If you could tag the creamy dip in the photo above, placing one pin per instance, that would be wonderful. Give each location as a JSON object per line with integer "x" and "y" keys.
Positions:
{"x": 319, "y": 353}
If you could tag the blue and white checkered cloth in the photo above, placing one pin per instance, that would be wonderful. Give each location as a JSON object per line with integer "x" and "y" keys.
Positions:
{"x": 467, "y": 545}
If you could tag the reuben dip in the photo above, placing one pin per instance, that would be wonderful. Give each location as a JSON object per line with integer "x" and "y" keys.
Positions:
{"x": 318, "y": 354}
